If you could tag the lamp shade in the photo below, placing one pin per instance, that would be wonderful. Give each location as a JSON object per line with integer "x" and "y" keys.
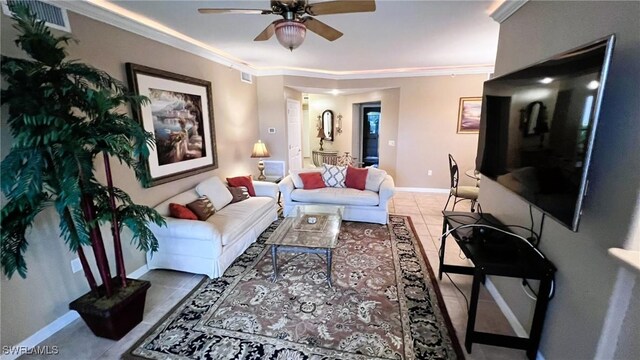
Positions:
{"x": 290, "y": 33}
{"x": 321, "y": 133}
{"x": 260, "y": 150}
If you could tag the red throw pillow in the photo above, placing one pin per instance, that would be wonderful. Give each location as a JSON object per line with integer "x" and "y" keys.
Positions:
{"x": 356, "y": 178}
{"x": 181, "y": 212}
{"x": 245, "y": 181}
{"x": 312, "y": 180}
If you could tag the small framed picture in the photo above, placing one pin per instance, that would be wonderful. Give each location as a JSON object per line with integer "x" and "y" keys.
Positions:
{"x": 469, "y": 115}
{"x": 180, "y": 117}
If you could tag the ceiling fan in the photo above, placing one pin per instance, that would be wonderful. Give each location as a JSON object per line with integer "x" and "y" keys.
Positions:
{"x": 297, "y": 18}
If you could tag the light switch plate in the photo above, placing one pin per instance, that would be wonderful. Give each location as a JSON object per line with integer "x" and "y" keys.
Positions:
{"x": 76, "y": 265}
{"x": 392, "y": 143}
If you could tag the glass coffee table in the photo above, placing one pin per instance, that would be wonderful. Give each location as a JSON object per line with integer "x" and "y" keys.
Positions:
{"x": 309, "y": 229}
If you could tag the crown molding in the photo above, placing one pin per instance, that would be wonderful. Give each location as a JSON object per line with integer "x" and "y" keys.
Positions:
{"x": 111, "y": 14}
{"x": 184, "y": 42}
{"x": 502, "y": 9}
{"x": 378, "y": 74}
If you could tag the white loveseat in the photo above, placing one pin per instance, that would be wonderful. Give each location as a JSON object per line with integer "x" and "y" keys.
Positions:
{"x": 209, "y": 247}
{"x": 360, "y": 205}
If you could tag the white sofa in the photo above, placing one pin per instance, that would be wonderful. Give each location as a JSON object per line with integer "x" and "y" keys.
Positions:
{"x": 209, "y": 247}
{"x": 360, "y": 205}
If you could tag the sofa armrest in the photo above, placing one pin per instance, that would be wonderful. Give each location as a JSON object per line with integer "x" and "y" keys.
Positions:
{"x": 387, "y": 189}
{"x": 265, "y": 188}
{"x": 286, "y": 187}
{"x": 183, "y": 228}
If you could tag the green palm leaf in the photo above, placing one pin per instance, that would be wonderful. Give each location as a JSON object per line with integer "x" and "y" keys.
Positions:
{"x": 62, "y": 115}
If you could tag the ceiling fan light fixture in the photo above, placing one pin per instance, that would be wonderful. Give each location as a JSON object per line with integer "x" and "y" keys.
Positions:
{"x": 290, "y": 33}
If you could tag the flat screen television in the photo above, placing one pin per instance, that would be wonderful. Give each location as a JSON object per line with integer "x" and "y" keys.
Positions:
{"x": 538, "y": 126}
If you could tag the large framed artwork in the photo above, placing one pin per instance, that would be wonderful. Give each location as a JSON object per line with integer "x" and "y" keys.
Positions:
{"x": 469, "y": 115}
{"x": 180, "y": 116}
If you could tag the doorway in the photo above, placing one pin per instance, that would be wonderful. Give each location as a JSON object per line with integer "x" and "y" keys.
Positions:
{"x": 294, "y": 131}
{"x": 370, "y": 125}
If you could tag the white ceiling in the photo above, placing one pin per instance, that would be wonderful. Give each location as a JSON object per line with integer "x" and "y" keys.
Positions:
{"x": 409, "y": 36}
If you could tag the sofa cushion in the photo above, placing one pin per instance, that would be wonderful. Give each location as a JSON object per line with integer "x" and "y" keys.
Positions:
{"x": 239, "y": 193}
{"x": 295, "y": 176}
{"x": 375, "y": 177}
{"x": 216, "y": 191}
{"x": 236, "y": 218}
{"x": 203, "y": 208}
{"x": 356, "y": 178}
{"x": 334, "y": 175}
{"x": 312, "y": 180}
{"x": 245, "y": 181}
{"x": 181, "y": 212}
{"x": 339, "y": 196}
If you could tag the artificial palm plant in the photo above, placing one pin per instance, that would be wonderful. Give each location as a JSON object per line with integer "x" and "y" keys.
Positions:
{"x": 62, "y": 116}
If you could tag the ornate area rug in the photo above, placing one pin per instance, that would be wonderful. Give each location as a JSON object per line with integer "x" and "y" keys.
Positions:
{"x": 383, "y": 305}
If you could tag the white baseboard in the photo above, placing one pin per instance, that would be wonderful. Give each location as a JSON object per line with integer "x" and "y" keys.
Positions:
{"x": 139, "y": 272}
{"x": 423, "y": 190}
{"x": 56, "y": 325}
{"x": 40, "y": 335}
{"x": 508, "y": 313}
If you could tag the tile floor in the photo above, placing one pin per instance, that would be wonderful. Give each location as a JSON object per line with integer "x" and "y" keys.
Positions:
{"x": 75, "y": 341}
{"x": 425, "y": 210}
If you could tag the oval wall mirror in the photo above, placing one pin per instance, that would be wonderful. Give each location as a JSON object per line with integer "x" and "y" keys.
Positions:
{"x": 327, "y": 124}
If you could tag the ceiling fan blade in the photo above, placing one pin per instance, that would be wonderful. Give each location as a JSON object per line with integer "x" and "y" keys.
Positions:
{"x": 341, "y": 7}
{"x": 267, "y": 33}
{"x": 321, "y": 28}
{"x": 234, "y": 11}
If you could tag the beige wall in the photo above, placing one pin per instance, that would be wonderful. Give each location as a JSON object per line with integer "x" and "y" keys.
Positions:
{"x": 29, "y": 304}
{"x": 338, "y": 104}
{"x": 586, "y": 275}
{"x": 271, "y": 114}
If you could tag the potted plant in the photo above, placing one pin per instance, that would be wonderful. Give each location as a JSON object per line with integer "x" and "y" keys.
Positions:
{"x": 62, "y": 115}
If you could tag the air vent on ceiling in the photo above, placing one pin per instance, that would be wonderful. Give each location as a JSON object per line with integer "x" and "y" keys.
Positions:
{"x": 54, "y": 16}
{"x": 246, "y": 77}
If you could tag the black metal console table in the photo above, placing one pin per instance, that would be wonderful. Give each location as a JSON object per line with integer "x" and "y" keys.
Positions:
{"x": 499, "y": 254}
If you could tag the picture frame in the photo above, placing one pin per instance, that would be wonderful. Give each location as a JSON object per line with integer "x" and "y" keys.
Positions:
{"x": 180, "y": 117}
{"x": 469, "y": 110}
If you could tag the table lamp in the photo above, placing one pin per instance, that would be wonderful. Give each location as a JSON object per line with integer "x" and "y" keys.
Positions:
{"x": 321, "y": 136}
{"x": 260, "y": 151}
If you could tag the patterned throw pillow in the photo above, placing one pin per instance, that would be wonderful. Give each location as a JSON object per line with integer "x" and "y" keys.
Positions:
{"x": 239, "y": 193}
{"x": 181, "y": 212}
{"x": 345, "y": 159}
{"x": 203, "y": 208}
{"x": 334, "y": 176}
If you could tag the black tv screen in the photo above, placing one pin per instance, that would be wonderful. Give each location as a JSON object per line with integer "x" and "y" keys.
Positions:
{"x": 538, "y": 126}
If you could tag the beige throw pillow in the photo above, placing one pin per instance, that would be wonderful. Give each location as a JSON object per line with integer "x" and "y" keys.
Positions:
{"x": 216, "y": 191}
{"x": 375, "y": 177}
